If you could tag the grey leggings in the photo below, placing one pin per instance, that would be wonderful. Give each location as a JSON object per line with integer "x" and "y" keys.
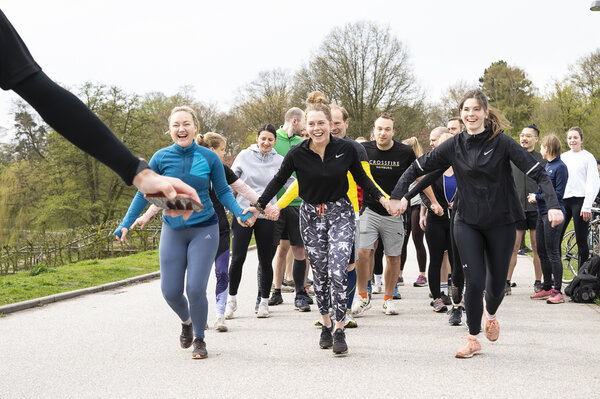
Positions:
{"x": 328, "y": 233}
{"x": 192, "y": 249}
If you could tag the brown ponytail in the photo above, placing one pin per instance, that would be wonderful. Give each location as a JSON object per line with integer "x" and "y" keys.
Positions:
{"x": 316, "y": 101}
{"x": 210, "y": 140}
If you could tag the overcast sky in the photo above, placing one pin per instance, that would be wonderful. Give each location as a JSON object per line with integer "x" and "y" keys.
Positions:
{"x": 217, "y": 47}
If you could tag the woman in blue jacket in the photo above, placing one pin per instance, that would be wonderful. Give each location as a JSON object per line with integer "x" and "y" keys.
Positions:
{"x": 188, "y": 245}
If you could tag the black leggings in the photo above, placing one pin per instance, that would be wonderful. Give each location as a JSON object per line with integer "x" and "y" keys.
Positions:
{"x": 477, "y": 246}
{"x": 378, "y": 258}
{"x": 573, "y": 210}
{"x": 437, "y": 234}
{"x": 263, "y": 233}
{"x": 412, "y": 226}
{"x": 458, "y": 276}
{"x": 548, "y": 246}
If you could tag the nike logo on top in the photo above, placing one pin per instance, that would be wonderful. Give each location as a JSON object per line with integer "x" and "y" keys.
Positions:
{"x": 339, "y": 155}
{"x": 487, "y": 152}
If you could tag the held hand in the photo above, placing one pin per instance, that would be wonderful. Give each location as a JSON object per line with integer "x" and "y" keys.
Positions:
{"x": 555, "y": 216}
{"x": 250, "y": 221}
{"x": 586, "y": 216}
{"x": 398, "y": 207}
{"x": 272, "y": 212}
{"x": 386, "y": 205}
{"x": 531, "y": 198}
{"x": 437, "y": 209}
{"x": 123, "y": 237}
{"x": 148, "y": 182}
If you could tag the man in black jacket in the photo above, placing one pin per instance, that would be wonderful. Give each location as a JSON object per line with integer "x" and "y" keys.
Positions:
{"x": 525, "y": 185}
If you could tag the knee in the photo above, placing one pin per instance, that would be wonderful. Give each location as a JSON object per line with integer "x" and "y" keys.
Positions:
{"x": 196, "y": 294}
{"x": 171, "y": 294}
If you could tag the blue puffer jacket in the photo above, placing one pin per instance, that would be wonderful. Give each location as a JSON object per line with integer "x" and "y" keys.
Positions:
{"x": 198, "y": 167}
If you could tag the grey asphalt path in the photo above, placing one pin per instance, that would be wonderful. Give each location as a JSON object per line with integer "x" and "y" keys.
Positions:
{"x": 124, "y": 343}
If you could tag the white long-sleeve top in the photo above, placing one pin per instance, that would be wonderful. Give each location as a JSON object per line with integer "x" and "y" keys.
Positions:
{"x": 583, "y": 178}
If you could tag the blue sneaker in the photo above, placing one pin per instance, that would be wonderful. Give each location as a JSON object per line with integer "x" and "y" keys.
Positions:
{"x": 396, "y": 293}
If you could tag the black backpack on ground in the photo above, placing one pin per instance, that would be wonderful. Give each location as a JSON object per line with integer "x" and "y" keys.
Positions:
{"x": 585, "y": 287}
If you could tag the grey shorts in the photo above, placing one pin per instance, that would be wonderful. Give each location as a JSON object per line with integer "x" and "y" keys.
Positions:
{"x": 389, "y": 228}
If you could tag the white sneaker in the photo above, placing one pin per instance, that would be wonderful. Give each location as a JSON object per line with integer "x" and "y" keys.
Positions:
{"x": 377, "y": 288}
{"x": 360, "y": 306}
{"x": 230, "y": 308}
{"x": 389, "y": 308}
{"x": 263, "y": 310}
{"x": 349, "y": 322}
{"x": 220, "y": 323}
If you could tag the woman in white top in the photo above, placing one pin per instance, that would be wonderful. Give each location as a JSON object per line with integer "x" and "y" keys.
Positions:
{"x": 581, "y": 190}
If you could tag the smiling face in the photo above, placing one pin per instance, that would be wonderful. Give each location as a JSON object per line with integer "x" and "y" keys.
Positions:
{"x": 574, "y": 140}
{"x": 182, "y": 128}
{"x": 318, "y": 127}
{"x": 473, "y": 116}
{"x": 339, "y": 125}
{"x": 265, "y": 141}
{"x": 528, "y": 138}
{"x": 383, "y": 132}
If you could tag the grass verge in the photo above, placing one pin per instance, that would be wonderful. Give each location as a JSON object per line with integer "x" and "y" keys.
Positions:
{"x": 42, "y": 281}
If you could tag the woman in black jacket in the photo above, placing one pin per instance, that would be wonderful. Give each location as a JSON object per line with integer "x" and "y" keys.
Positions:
{"x": 487, "y": 206}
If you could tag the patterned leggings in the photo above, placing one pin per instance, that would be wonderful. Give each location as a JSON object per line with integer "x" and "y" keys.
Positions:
{"x": 328, "y": 233}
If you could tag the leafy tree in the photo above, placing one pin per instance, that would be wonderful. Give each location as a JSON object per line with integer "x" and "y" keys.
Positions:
{"x": 509, "y": 90}
{"x": 364, "y": 68}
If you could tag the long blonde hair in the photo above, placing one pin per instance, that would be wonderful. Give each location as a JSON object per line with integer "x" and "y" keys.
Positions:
{"x": 415, "y": 145}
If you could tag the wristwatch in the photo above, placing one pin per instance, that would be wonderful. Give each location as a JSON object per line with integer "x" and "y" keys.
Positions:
{"x": 257, "y": 206}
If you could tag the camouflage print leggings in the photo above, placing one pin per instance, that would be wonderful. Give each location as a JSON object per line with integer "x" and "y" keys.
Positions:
{"x": 328, "y": 233}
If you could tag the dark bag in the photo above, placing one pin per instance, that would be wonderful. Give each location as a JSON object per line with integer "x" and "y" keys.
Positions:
{"x": 585, "y": 287}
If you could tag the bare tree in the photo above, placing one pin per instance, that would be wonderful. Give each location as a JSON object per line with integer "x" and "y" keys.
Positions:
{"x": 364, "y": 68}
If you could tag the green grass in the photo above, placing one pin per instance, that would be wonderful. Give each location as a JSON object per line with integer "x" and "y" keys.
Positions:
{"x": 42, "y": 281}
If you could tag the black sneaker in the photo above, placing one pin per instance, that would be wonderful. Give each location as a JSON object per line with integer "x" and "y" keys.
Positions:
{"x": 307, "y": 297}
{"x": 300, "y": 304}
{"x": 507, "y": 289}
{"x": 455, "y": 318}
{"x": 446, "y": 299}
{"x": 339, "y": 342}
{"x": 187, "y": 335}
{"x": 326, "y": 340}
{"x": 276, "y": 299}
{"x": 537, "y": 286}
{"x": 199, "y": 349}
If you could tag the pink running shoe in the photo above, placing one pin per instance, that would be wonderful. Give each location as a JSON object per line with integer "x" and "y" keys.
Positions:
{"x": 555, "y": 297}
{"x": 472, "y": 347}
{"x": 491, "y": 328}
{"x": 541, "y": 294}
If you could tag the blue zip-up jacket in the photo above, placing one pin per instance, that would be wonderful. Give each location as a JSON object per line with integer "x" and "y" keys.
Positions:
{"x": 559, "y": 174}
{"x": 196, "y": 166}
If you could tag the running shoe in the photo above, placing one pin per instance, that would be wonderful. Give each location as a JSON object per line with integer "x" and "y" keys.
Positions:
{"x": 542, "y": 294}
{"x": 349, "y": 322}
{"x": 307, "y": 297}
{"x": 220, "y": 323}
{"x": 401, "y": 281}
{"x": 491, "y": 328}
{"x": 377, "y": 288}
{"x": 360, "y": 306}
{"x": 438, "y": 306}
{"x": 472, "y": 347}
{"x": 537, "y": 286}
{"x": 555, "y": 297}
{"x": 230, "y": 308}
{"x": 276, "y": 299}
{"x": 287, "y": 286}
{"x": 396, "y": 294}
{"x": 263, "y": 310}
{"x": 389, "y": 308}
{"x": 187, "y": 335}
{"x": 326, "y": 340}
{"x": 300, "y": 303}
{"x": 339, "y": 342}
{"x": 455, "y": 313}
{"x": 507, "y": 289}
{"x": 199, "y": 349}
{"x": 446, "y": 299}
{"x": 421, "y": 281}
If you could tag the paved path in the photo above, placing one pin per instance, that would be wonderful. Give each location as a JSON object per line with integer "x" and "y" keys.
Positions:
{"x": 125, "y": 343}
